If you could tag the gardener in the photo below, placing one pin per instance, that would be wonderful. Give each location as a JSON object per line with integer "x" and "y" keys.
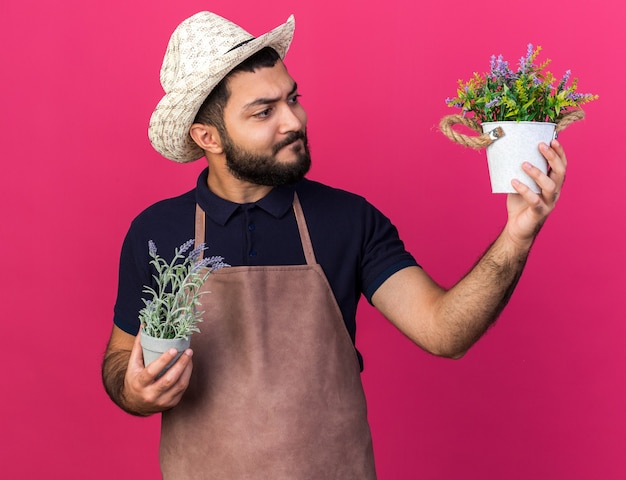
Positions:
{"x": 274, "y": 388}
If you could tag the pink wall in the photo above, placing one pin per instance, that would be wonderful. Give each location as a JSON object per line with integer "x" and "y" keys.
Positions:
{"x": 541, "y": 396}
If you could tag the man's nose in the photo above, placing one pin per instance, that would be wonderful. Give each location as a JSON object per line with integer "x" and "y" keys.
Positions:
{"x": 292, "y": 119}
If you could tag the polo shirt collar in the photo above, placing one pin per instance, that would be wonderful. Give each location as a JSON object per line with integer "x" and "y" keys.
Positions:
{"x": 276, "y": 203}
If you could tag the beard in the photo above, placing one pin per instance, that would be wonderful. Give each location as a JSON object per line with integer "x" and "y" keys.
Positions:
{"x": 266, "y": 170}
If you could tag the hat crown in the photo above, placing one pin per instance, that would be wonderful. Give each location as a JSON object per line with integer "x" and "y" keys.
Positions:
{"x": 196, "y": 45}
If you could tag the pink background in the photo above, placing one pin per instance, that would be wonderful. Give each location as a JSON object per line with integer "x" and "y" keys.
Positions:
{"x": 542, "y": 396}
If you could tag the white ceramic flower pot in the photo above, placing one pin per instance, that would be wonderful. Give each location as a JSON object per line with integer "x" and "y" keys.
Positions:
{"x": 153, "y": 348}
{"x": 519, "y": 144}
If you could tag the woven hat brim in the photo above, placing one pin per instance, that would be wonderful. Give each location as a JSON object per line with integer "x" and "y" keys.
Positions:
{"x": 174, "y": 114}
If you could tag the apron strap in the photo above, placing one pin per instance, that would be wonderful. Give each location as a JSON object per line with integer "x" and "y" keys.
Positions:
{"x": 307, "y": 245}
{"x": 200, "y": 229}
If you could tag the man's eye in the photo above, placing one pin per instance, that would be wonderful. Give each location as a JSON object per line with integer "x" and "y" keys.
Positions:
{"x": 264, "y": 113}
{"x": 294, "y": 99}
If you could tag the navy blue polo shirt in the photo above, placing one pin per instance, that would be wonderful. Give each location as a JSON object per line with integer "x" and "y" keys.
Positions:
{"x": 356, "y": 245}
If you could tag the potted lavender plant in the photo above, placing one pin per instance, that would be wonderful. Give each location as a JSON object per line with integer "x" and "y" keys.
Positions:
{"x": 513, "y": 111}
{"x": 171, "y": 315}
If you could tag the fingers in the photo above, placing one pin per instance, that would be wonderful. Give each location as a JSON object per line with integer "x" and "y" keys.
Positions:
{"x": 153, "y": 370}
{"x": 173, "y": 383}
{"x": 548, "y": 184}
{"x": 558, "y": 149}
{"x": 146, "y": 391}
{"x": 528, "y": 211}
{"x": 147, "y": 375}
{"x": 136, "y": 354}
{"x": 533, "y": 200}
{"x": 173, "y": 373}
{"x": 551, "y": 183}
{"x": 555, "y": 156}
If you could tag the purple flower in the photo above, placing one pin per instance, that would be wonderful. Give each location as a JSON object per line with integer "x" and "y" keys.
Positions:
{"x": 574, "y": 96}
{"x": 566, "y": 76}
{"x": 451, "y": 103}
{"x": 522, "y": 65}
{"x": 565, "y": 79}
{"x": 529, "y": 52}
{"x": 493, "y": 103}
{"x": 214, "y": 263}
{"x": 499, "y": 68}
{"x": 525, "y": 62}
{"x": 185, "y": 246}
{"x": 195, "y": 253}
{"x": 152, "y": 249}
{"x": 578, "y": 97}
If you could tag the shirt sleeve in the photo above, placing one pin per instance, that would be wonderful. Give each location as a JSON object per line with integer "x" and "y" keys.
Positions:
{"x": 134, "y": 273}
{"x": 384, "y": 253}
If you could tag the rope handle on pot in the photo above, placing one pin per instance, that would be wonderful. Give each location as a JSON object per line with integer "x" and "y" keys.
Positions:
{"x": 483, "y": 140}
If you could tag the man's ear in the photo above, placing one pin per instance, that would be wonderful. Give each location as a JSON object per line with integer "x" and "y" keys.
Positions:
{"x": 206, "y": 137}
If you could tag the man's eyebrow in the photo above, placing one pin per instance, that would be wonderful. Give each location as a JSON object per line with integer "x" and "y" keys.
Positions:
{"x": 267, "y": 101}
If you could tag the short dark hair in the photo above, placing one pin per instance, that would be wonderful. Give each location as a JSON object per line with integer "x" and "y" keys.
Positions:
{"x": 212, "y": 110}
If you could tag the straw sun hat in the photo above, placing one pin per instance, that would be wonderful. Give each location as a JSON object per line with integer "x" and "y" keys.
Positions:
{"x": 202, "y": 51}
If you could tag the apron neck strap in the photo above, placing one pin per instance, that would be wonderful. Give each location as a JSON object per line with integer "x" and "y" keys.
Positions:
{"x": 200, "y": 229}
{"x": 305, "y": 238}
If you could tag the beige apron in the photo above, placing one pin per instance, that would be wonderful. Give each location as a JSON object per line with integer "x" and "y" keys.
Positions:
{"x": 275, "y": 392}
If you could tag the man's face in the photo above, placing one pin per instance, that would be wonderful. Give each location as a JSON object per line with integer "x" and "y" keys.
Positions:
{"x": 265, "y": 141}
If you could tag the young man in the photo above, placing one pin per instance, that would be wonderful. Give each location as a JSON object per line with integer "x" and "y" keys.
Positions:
{"x": 274, "y": 388}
